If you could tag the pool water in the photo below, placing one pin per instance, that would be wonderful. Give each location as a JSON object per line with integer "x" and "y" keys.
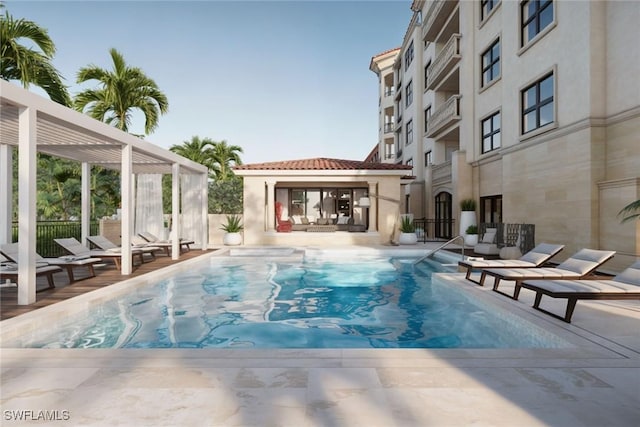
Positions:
{"x": 256, "y": 303}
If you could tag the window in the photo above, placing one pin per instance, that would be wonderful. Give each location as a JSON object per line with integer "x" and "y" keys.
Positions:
{"x": 491, "y": 209}
{"x": 410, "y": 163}
{"x": 409, "y": 90}
{"x": 428, "y": 158}
{"x": 537, "y": 104}
{"x": 536, "y": 16}
{"x": 427, "y": 114}
{"x": 491, "y": 133}
{"x": 409, "y": 137}
{"x": 426, "y": 74}
{"x": 491, "y": 63}
{"x": 486, "y": 6}
{"x": 408, "y": 56}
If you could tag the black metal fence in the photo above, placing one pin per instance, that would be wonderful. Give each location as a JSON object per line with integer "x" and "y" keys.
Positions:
{"x": 521, "y": 235}
{"x": 46, "y": 231}
{"x": 429, "y": 229}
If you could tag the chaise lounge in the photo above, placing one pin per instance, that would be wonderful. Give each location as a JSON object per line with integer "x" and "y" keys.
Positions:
{"x": 536, "y": 257}
{"x": 9, "y": 270}
{"x": 78, "y": 250}
{"x": 165, "y": 244}
{"x": 579, "y": 266}
{"x": 625, "y": 286}
{"x": 10, "y": 250}
{"x": 105, "y": 244}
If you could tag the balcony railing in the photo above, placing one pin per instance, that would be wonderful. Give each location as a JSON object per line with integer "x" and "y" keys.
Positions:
{"x": 444, "y": 116}
{"x": 389, "y": 91}
{"x": 445, "y": 61}
{"x": 389, "y": 127}
{"x": 436, "y": 17}
{"x": 441, "y": 174}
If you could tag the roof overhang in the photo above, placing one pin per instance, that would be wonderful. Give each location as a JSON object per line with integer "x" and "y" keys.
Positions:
{"x": 321, "y": 173}
{"x": 65, "y": 133}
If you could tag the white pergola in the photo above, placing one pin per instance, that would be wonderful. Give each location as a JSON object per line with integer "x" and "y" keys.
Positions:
{"x": 35, "y": 124}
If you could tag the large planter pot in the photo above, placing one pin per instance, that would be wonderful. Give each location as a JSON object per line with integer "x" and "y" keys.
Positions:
{"x": 408, "y": 238}
{"x": 232, "y": 239}
{"x": 471, "y": 239}
{"x": 467, "y": 218}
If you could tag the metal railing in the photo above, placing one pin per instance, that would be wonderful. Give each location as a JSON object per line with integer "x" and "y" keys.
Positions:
{"x": 430, "y": 254}
{"x": 46, "y": 231}
{"x": 433, "y": 230}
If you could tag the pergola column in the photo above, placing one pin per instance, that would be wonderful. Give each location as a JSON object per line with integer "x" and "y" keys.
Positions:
{"x": 373, "y": 209}
{"x": 175, "y": 211}
{"x": 126, "y": 225}
{"x": 85, "y": 202}
{"x": 6, "y": 192}
{"x": 27, "y": 140}
{"x": 204, "y": 197}
{"x": 271, "y": 205}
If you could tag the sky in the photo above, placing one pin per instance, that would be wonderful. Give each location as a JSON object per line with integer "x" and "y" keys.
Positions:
{"x": 281, "y": 79}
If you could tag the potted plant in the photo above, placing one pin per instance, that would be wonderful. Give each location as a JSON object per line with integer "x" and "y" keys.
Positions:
{"x": 471, "y": 236}
{"x": 468, "y": 215}
{"x": 408, "y": 234}
{"x": 233, "y": 227}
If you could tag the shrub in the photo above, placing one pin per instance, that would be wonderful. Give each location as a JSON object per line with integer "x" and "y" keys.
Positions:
{"x": 472, "y": 229}
{"x": 406, "y": 225}
{"x": 468, "y": 205}
{"x": 233, "y": 225}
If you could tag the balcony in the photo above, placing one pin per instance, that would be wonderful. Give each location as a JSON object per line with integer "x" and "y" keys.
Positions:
{"x": 389, "y": 127}
{"x": 444, "y": 116}
{"x": 448, "y": 57}
{"x": 436, "y": 18}
{"x": 441, "y": 174}
{"x": 389, "y": 91}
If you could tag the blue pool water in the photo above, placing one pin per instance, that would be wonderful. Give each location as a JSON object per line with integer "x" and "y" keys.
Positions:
{"x": 256, "y": 303}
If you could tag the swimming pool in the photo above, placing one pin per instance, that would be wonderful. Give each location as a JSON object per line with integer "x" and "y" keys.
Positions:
{"x": 296, "y": 302}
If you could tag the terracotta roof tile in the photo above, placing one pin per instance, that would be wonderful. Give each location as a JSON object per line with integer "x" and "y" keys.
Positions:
{"x": 322, "y": 163}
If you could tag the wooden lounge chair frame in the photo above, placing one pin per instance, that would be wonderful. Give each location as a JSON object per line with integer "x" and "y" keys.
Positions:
{"x": 575, "y": 290}
{"x": 165, "y": 244}
{"x": 105, "y": 244}
{"x": 45, "y": 270}
{"x": 579, "y": 266}
{"x": 536, "y": 257}
{"x": 73, "y": 247}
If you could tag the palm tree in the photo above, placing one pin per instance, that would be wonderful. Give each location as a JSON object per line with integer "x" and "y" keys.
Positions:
{"x": 120, "y": 92}
{"x": 198, "y": 150}
{"x": 223, "y": 156}
{"x": 27, "y": 65}
{"x": 632, "y": 210}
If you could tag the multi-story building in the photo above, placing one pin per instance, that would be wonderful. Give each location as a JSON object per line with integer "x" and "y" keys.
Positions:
{"x": 532, "y": 108}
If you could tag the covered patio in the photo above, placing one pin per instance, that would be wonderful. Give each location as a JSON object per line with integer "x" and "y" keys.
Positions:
{"x": 34, "y": 124}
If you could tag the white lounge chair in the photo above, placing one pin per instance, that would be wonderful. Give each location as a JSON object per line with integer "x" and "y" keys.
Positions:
{"x": 78, "y": 250}
{"x": 9, "y": 270}
{"x": 165, "y": 244}
{"x": 10, "y": 250}
{"x": 536, "y": 257}
{"x": 578, "y": 266}
{"x": 625, "y": 286}
{"x": 105, "y": 244}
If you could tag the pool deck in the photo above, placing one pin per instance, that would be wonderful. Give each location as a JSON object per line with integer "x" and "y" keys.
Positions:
{"x": 594, "y": 382}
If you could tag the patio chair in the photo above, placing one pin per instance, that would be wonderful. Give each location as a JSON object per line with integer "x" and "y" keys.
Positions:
{"x": 283, "y": 225}
{"x": 105, "y": 244}
{"x": 579, "y": 266}
{"x": 10, "y": 251}
{"x": 9, "y": 270}
{"x": 625, "y": 286}
{"x": 78, "y": 250}
{"x": 536, "y": 257}
{"x": 165, "y": 244}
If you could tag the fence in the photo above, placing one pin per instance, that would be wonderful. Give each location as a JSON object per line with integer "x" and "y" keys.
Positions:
{"x": 521, "y": 235}
{"x": 433, "y": 229}
{"x": 46, "y": 231}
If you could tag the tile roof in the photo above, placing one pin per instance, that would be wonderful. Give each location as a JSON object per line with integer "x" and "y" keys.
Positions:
{"x": 322, "y": 163}
{"x": 385, "y": 52}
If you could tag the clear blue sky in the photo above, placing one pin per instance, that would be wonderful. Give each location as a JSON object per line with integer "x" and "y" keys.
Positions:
{"x": 281, "y": 79}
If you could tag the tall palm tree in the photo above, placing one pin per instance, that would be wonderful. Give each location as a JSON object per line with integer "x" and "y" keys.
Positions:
{"x": 223, "y": 155}
{"x": 28, "y": 65}
{"x": 632, "y": 211}
{"x": 120, "y": 92}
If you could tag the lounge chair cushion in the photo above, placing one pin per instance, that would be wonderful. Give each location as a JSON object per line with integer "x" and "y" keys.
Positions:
{"x": 489, "y": 235}
{"x": 583, "y": 261}
{"x": 540, "y": 253}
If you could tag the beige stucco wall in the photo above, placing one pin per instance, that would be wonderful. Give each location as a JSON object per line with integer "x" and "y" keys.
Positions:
{"x": 255, "y": 215}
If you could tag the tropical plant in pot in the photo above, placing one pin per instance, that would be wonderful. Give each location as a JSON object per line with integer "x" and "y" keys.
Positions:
{"x": 408, "y": 234}
{"x": 232, "y": 228}
{"x": 471, "y": 235}
{"x": 467, "y": 215}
